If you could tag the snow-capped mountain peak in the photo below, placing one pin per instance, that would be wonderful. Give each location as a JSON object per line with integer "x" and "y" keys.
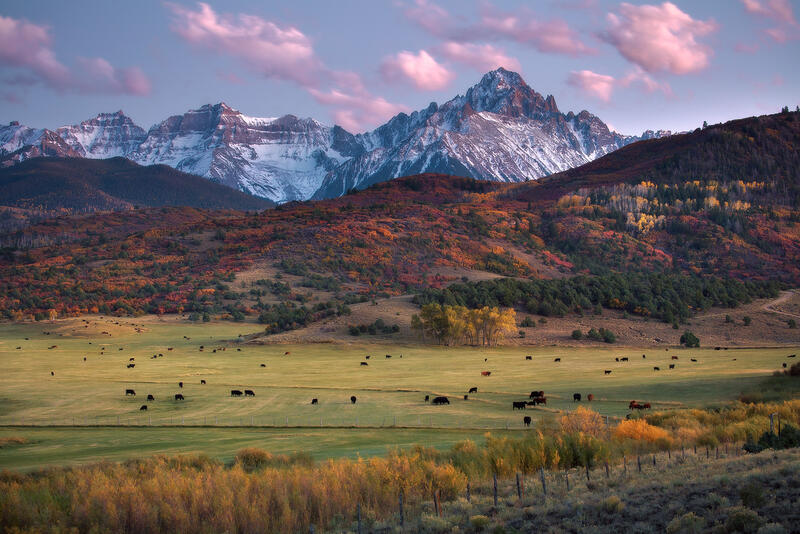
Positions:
{"x": 500, "y": 129}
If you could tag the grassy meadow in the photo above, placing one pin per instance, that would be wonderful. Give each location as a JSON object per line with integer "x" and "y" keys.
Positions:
{"x": 390, "y": 392}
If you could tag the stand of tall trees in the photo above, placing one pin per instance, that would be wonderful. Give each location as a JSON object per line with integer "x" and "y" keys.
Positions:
{"x": 457, "y": 325}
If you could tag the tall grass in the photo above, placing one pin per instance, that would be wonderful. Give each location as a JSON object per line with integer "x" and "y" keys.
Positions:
{"x": 261, "y": 492}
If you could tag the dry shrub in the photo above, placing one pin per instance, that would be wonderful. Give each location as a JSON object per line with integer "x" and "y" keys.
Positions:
{"x": 12, "y": 440}
{"x": 689, "y": 523}
{"x": 640, "y": 430}
{"x": 583, "y": 420}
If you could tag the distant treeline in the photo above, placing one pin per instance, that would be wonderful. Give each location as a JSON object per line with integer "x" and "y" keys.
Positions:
{"x": 669, "y": 297}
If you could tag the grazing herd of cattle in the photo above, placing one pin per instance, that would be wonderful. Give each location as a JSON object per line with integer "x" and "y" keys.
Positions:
{"x": 535, "y": 398}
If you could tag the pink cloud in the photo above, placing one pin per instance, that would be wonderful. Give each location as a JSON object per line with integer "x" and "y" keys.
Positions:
{"x": 779, "y": 11}
{"x": 28, "y": 47}
{"x": 599, "y": 86}
{"x": 647, "y": 82}
{"x": 98, "y": 75}
{"x": 355, "y": 108}
{"x": 602, "y": 86}
{"x": 660, "y": 38}
{"x": 521, "y": 26}
{"x": 266, "y": 48}
{"x": 552, "y": 36}
{"x": 420, "y": 70}
{"x": 284, "y": 53}
{"x": 481, "y": 57}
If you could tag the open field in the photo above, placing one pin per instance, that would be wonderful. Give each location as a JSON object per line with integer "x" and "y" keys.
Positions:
{"x": 390, "y": 392}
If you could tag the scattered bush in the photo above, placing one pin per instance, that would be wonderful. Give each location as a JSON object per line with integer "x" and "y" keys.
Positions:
{"x": 690, "y": 340}
{"x": 689, "y": 523}
{"x": 747, "y": 320}
{"x": 528, "y": 322}
{"x": 577, "y": 334}
{"x": 378, "y": 327}
{"x": 752, "y": 495}
{"x": 479, "y": 522}
{"x": 772, "y": 528}
{"x": 741, "y": 519}
{"x": 612, "y": 505}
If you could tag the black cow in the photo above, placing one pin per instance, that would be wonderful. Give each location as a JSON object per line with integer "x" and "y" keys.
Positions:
{"x": 576, "y": 397}
{"x": 440, "y": 400}
{"x": 672, "y": 366}
{"x": 131, "y": 365}
{"x": 202, "y": 382}
{"x": 427, "y": 398}
{"x": 792, "y": 356}
{"x": 314, "y": 401}
{"x": 143, "y": 407}
{"x": 466, "y": 397}
{"x": 364, "y": 363}
{"x": 353, "y": 399}
{"x": 535, "y": 394}
{"x": 694, "y": 360}
{"x": 263, "y": 365}
{"x": 625, "y": 359}
{"x": 52, "y": 373}
{"x": 527, "y": 420}
{"x": 366, "y": 357}
{"x": 130, "y": 392}
{"x": 180, "y": 384}
{"x": 473, "y": 390}
{"x": 84, "y": 358}
{"x": 131, "y": 359}
{"x": 607, "y": 372}
{"x": 178, "y": 396}
{"x": 518, "y": 405}
{"x": 656, "y": 369}
{"x": 528, "y": 357}
{"x": 557, "y": 360}
{"x": 249, "y": 393}
{"x": 784, "y": 365}
{"x": 617, "y": 359}
{"x": 388, "y": 355}
{"x": 151, "y": 398}
{"x": 644, "y": 356}
{"x": 236, "y": 393}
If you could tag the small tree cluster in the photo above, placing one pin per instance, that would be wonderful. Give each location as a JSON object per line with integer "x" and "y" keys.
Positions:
{"x": 453, "y": 325}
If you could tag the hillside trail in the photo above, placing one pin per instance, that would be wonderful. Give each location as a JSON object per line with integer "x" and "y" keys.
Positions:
{"x": 767, "y": 306}
{"x": 783, "y": 297}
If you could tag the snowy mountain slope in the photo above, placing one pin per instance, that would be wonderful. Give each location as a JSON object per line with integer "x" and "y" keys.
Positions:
{"x": 501, "y": 130}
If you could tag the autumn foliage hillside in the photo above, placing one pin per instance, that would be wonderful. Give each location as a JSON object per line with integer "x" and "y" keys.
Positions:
{"x": 722, "y": 202}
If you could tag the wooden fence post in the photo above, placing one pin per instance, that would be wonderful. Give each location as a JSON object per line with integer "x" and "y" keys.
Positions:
{"x": 402, "y": 516}
{"x": 716, "y": 452}
{"x": 654, "y": 459}
{"x": 639, "y": 462}
{"x": 358, "y": 517}
{"x": 625, "y": 464}
{"x": 706, "y": 452}
{"x": 566, "y": 477}
{"x": 519, "y": 488}
{"x": 494, "y": 477}
{"x": 608, "y": 472}
{"x": 587, "y": 472}
{"x": 469, "y": 497}
{"x": 544, "y": 482}
{"x": 436, "y": 503}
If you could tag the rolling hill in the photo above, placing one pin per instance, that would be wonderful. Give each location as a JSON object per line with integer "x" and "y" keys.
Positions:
{"x": 720, "y": 202}
{"x": 77, "y": 185}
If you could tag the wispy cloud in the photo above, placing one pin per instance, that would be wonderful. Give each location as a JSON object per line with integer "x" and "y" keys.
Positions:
{"x": 282, "y": 52}
{"x": 481, "y": 57}
{"x": 602, "y": 86}
{"x": 28, "y": 47}
{"x": 779, "y": 12}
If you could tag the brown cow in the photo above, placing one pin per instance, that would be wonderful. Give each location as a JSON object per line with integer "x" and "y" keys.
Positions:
{"x": 486, "y": 373}
{"x": 590, "y": 397}
{"x": 674, "y": 357}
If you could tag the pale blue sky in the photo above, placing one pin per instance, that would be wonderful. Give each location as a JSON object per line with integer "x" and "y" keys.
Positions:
{"x": 743, "y": 61}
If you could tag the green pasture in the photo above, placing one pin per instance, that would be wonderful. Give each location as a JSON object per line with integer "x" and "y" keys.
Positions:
{"x": 390, "y": 391}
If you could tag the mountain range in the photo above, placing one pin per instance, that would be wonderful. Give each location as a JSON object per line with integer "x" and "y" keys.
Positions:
{"x": 500, "y": 130}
